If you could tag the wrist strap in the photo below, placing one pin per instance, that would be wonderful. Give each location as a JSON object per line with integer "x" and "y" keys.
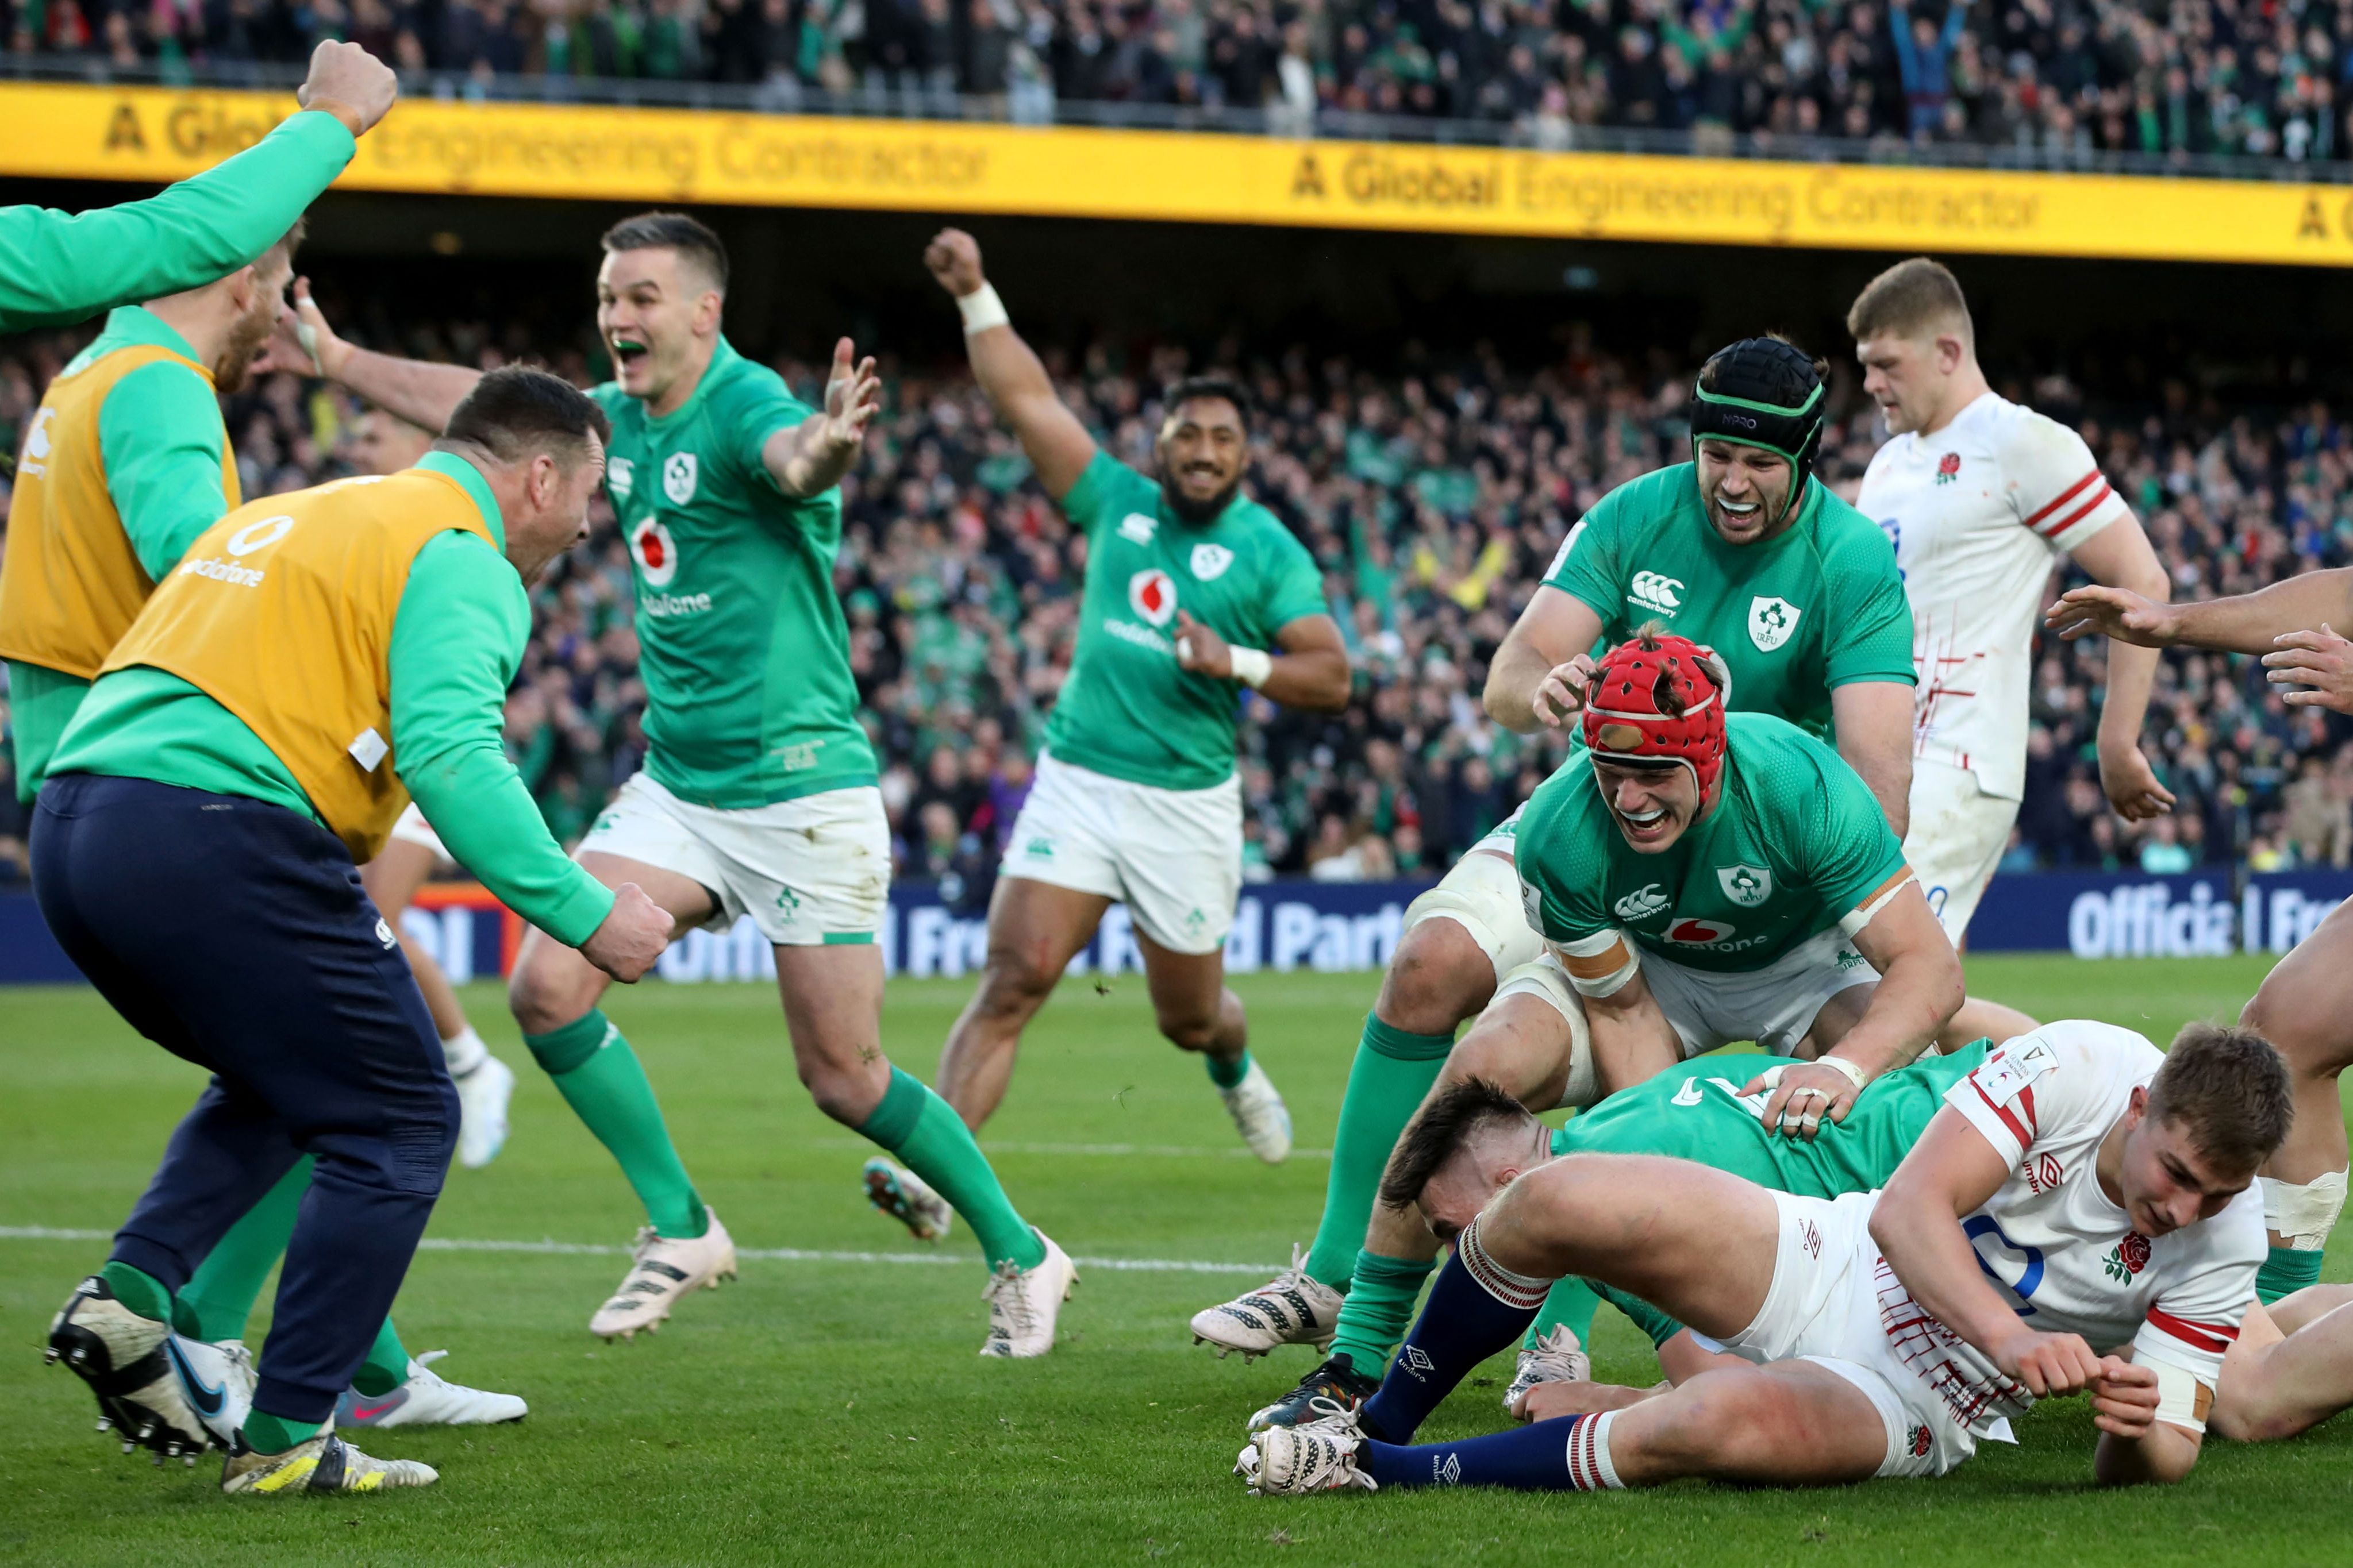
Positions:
{"x": 1854, "y": 1072}
{"x": 982, "y": 310}
{"x": 1252, "y": 665}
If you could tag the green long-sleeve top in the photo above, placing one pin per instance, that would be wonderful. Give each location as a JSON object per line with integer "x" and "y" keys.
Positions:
{"x": 56, "y": 267}
{"x": 160, "y": 435}
{"x": 456, "y": 641}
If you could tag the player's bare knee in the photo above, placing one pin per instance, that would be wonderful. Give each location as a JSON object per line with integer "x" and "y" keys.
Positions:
{"x": 1438, "y": 977}
{"x": 1190, "y": 1029}
{"x": 1018, "y": 978}
{"x": 543, "y": 998}
{"x": 845, "y": 1092}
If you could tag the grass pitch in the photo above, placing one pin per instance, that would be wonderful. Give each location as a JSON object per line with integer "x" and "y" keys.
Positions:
{"x": 831, "y": 1411}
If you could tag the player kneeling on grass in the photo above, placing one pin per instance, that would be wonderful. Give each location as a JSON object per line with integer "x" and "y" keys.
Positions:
{"x": 2079, "y": 1217}
{"x": 194, "y": 854}
{"x": 1698, "y": 877}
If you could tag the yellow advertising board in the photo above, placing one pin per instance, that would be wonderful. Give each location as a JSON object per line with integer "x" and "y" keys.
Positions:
{"x": 676, "y": 156}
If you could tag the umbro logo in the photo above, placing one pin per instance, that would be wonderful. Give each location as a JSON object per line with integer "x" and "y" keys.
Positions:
{"x": 1656, "y": 591}
{"x": 1416, "y": 1360}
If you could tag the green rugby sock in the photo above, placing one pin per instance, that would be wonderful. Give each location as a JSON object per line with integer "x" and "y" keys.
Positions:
{"x": 1391, "y": 1073}
{"x": 926, "y": 1135}
{"x": 219, "y": 1297}
{"x": 139, "y": 1290}
{"x": 386, "y": 1367}
{"x": 267, "y": 1434}
{"x": 600, "y": 1078}
{"x": 2285, "y": 1271}
{"x": 1378, "y": 1310}
{"x": 1570, "y": 1304}
{"x": 1226, "y": 1072}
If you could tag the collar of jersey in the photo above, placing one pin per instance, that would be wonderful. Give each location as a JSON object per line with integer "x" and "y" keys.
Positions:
{"x": 451, "y": 466}
{"x": 723, "y": 353}
{"x": 130, "y": 324}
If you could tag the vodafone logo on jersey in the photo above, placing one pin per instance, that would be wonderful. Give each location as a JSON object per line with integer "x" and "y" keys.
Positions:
{"x": 654, "y": 552}
{"x": 1151, "y": 594}
{"x": 1699, "y": 932}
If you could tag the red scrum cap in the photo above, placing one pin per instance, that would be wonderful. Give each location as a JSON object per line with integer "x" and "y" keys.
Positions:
{"x": 1658, "y": 700}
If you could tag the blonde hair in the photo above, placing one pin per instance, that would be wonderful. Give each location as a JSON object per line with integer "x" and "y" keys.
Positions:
{"x": 1912, "y": 298}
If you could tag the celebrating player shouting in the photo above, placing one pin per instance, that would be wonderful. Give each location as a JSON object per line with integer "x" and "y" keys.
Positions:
{"x": 1741, "y": 549}
{"x": 1981, "y": 496}
{"x": 2306, "y": 1003}
{"x": 758, "y": 795}
{"x": 2078, "y": 1219}
{"x": 1193, "y": 592}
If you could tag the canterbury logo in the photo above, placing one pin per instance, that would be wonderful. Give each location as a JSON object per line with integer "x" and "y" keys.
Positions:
{"x": 1653, "y": 591}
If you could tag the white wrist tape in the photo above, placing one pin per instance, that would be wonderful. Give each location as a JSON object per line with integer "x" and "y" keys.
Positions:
{"x": 2178, "y": 1403}
{"x": 982, "y": 310}
{"x": 1252, "y": 665}
{"x": 1854, "y": 1074}
{"x": 2305, "y": 1214}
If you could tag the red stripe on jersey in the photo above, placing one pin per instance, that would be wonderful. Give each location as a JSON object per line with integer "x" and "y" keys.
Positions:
{"x": 2213, "y": 1338}
{"x": 2026, "y": 1100}
{"x": 2062, "y": 497}
{"x": 2016, "y": 1130}
{"x": 2059, "y": 525}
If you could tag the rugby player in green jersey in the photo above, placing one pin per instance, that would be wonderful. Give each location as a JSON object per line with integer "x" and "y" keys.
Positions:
{"x": 758, "y": 795}
{"x": 1741, "y": 548}
{"x": 1193, "y": 592}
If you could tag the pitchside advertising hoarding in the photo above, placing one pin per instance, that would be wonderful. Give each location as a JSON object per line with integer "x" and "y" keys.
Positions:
{"x": 607, "y": 153}
{"x": 1343, "y": 926}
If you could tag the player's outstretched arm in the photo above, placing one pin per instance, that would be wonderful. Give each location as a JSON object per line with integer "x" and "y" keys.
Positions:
{"x": 419, "y": 390}
{"x": 810, "y": 457}
{"x": 1874, "y": 720}
{"x": 56, "y": 267}
{"x": 1632, "y": 1041}
{"x": 1310, "y": 673}
{"x": 1539, "y": 674}
{"x": 1011, "y": 376}
{"x": 2244, "y": 623}
{"x": 2119, "y": 556}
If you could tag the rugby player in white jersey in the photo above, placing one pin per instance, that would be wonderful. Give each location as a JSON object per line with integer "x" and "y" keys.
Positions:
{"x": 2080, "y": 1217}
{"x": 1981, "y": 496}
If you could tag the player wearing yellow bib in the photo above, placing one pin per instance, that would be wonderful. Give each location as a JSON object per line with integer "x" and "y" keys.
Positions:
{"x": 312, "y": 660}
{"x": 758, "y": 797}
{"x": 1193, "y": 592}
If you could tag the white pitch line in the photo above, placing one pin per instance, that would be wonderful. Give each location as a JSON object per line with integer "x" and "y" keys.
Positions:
{"x": 761, "y": 1253}
{"x": 1113, "y": 1151}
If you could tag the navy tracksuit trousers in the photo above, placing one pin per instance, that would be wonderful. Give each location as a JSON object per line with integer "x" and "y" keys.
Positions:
{"x": 234, "y": 933}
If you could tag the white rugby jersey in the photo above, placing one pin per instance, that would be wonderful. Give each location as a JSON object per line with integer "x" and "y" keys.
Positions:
{"x": 2065, "y": 1256}
{"x": 1977, "y": 512}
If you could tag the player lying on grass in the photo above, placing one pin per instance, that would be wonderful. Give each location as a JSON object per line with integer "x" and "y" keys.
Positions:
{"x": 1195, "y": 597}
{"x": 1697, "y": 878}
{"x": 2078, "y": 1217}
{"x": 759, "y": 792}
{"x": 132, "y": 465}
{"x": 194, "y": 852}
{"x": 1741, "y": 549}
{"x": 2306, "y": 1003}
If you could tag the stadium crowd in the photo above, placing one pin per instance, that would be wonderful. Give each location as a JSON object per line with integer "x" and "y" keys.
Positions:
{"x": 1434, "y": 501}
{"x": 2058, "y": 79}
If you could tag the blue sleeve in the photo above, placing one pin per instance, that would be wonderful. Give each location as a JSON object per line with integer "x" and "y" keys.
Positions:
{"x": 160, "y": 434}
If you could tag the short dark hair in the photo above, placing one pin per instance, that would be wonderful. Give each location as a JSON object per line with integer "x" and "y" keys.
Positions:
{"x": 1218, "y": 386}
{"x": 1441, "y": 1129}
{"x": 673, "y": 231}
{"x": 2228, "y": 1089}
{"x": 517, "y": 413}
{"x": 1911, "y": 300}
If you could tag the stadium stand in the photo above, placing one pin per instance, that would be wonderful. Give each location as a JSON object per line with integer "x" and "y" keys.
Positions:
{"x": 2057, "y": 83}
{"x": 1433, "y": 501}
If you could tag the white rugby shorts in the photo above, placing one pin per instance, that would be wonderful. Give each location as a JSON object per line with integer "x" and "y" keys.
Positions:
{"x": 815, "y": 871}
{"x": 1481, "y": 895}
{"x": 1173, "y": 856}
{"x": 1824, "y": 1307}
{"x": 1957, "y": 838}
{"x": 1774, "y": 1005}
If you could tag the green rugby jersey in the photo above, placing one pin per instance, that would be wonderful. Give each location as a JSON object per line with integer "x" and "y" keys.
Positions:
{"x": 1794, "y": 845}
{"x": 745, "y": 653}
{"x": 1696, "y": 1113}
{"x": 1127, "y": 709}
{"x": 1818, "y": 606}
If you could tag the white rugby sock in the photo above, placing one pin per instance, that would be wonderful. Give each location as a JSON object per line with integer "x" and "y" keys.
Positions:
{"x": 464, "y": 1051}
{"x": 1589, "y": 1469}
